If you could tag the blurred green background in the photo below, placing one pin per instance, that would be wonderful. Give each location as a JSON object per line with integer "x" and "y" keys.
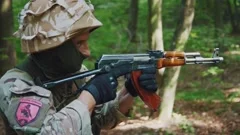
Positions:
{"x": 216, "y": 24}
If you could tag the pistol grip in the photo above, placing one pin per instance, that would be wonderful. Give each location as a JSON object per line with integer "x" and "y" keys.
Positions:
{"x": 152, "y": 100}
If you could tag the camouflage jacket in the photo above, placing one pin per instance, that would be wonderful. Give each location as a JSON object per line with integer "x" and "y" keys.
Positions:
{"x": 30, "y": 109}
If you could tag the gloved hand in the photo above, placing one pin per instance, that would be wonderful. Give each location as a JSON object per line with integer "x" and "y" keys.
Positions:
{"x": 147, "y": 81}
{"x": 102, "y": 87}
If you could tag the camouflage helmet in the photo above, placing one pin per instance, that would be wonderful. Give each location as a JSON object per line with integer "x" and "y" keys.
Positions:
{"x": 44, "y": 24}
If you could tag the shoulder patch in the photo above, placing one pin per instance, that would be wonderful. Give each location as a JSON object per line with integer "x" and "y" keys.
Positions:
{"x": 27, "y": 111}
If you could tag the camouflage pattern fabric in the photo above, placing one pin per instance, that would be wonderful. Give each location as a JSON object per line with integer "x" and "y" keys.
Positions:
{"x": 45, "y": 24}
{"x": 5, "y": 129}
{"x": 71, "y": 119}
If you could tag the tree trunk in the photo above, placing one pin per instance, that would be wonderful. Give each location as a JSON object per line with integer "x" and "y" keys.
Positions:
{"x": 234, "y": 11}
{"x": 171, "y": 74}
{"x": 7, "y": 51}
{"x": 219, "y": 8}
{"x": 236, "y": 28}
{"x": 218, "y": 16}
{"x": 133, "y": 20}
{"x": 156, "y": 37}
{"x": 155, "y": 25}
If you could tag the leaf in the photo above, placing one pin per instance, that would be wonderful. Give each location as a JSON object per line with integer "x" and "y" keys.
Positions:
{"x": 194, "y": 35}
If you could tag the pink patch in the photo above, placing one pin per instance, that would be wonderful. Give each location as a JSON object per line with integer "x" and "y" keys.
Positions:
{"x": 27, "y": 111}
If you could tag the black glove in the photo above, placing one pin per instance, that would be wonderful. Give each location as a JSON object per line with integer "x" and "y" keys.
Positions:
{"x": 102, "y": 87}
{"x": 147, "y": 81}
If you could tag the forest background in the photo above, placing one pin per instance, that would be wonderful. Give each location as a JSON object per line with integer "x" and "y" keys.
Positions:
{"x": 205, "y": 99}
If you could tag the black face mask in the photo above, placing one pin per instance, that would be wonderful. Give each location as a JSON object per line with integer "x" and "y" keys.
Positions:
{"x": 70, "y": 58}
{"x": 60, "y": 61}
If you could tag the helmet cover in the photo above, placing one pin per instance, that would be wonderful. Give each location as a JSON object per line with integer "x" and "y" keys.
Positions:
{"x": 44, "y": 24}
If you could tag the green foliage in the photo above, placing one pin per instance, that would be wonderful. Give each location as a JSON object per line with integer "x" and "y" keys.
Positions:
{"x": 169, "y": 133}
{"x": 214, "y": 71}
{"x": 204, "y": 14}
{"x": 234, "y": 95}
{"x": 200, "y": 95}
{"x": 17, "y": 7}
{"x": 204, "y": 39}
{"x": 170, "y": 13}
{"x": 195, "y": 84}
{"x": 167, "y": 39}
{"x": 236, "y": 132}
{"x": 187, "y": 128}
{"x": 3, "y": 57}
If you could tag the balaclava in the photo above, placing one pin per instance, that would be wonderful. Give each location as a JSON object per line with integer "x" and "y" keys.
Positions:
{"x": 54, "y": 63}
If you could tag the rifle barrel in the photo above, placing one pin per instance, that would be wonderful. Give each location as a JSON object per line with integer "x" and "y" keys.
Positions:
{"x": 200, "y": 60}
{"x": 192, "y": 54}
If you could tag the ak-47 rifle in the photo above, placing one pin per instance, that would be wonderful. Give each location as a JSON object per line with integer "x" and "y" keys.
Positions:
{"x": 119, "y": 64}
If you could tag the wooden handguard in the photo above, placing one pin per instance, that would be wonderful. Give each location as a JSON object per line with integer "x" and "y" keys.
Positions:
{"x": 171, "y": 58}
{"x": 152, "y": 100}
{"x": 168, "y": 62}
{"x": 169, "y": 54}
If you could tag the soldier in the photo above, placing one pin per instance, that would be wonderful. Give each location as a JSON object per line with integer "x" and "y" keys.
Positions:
{"x": 54, "y": 33}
